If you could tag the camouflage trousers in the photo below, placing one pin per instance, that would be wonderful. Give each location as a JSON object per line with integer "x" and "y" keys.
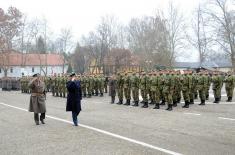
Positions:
{"x": 127, "y": 93}
{"x": 120, "y": 93}
{"x": 155, "y": 96}
{"x": 135, "y": 94}
{"x": 229, "y": 91}
{"x": 186, "y": 95}
{"x": 144, "y": 95}
{"x": 202, "y": 94}
{"x": 167, "y": 95}
{"x": 217, "y": 92}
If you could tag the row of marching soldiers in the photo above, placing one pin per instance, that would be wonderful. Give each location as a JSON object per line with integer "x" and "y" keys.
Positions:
{"x": 169, "y": 86}
{"x": 91, "y": 84}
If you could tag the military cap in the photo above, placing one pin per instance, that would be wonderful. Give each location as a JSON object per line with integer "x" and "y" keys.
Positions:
{"x": 36, "y": 75}
{"x": 72, "y": 74}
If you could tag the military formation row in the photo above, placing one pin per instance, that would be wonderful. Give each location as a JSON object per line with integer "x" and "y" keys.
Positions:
{"x": 8, "y": 84}
{"x": 90, "y": 85}
{"x": 169, "y": 87}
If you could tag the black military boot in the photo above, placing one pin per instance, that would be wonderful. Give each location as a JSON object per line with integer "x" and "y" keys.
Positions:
{"x": 145, "y": 105}
{"x": 163, "y": 102}
{"x": 169, "y": 107}
{"x": 128, "y": 102}
{"x": 136, "y": 104}
{"x": 84, "y": 95}
{"x": 229, "y": 99}
{"x": 191, "y": 101}
{"x": 178, "y": 100}
{"x": 156, "y": 106}
{"x": 186, "y": 105}
{"x": 175, "y": 104}
{"x": 151, "y": 102}
{"x": 216, "y": 100}
{"x": 112, "y": 99}
{"x": 202, "y": 102}
{"x": 101, "y": 94}
{"x": 207, "y": 97}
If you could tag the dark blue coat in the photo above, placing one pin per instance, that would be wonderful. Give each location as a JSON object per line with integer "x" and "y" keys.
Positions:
{"x": 74, "y": 96}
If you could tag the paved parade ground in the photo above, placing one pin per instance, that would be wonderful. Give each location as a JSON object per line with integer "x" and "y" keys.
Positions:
{"x": 111, "y": 129}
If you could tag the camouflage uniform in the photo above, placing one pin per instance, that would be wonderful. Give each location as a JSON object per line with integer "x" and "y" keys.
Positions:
{"x": 217, "y": 86}
{"x": 120, "y": 85}
{"x": 201, "y": 86}
{"x": 144, "y": 87}
{"x": 135, "y": 88}
{"x": 127, "y": 88}
{"x": 229, "y": 86}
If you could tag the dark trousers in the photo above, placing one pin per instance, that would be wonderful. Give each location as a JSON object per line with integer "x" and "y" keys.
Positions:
{"x": 75, "y": 117}
{"x": 42, "y": 116}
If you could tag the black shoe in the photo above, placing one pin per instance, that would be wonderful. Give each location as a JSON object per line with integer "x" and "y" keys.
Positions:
{"x": 178, "y": 100}
{"x": 229, "y": 99}
{"x": 191, "y": 102}
{"x": 42, "y": 121}
{"x": 169, "y": 107}
{"x": 120, "y": 102}
{"x": 145, "y": 105}
{"x": 157, "y": 106}
{"x": 175, "y": 104}
{"x": 216, "y": 100}
{"x": 163, "y": 103}
{"x": 202, "y": 102}
{"x": 136, "y": 104}
{"x": 186, "y": 105}
{"x": 127, "y": 102}
{"x": 37, "y": 122}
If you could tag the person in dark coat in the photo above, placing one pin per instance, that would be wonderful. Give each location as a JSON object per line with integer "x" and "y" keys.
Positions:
{"x": 37, "y": 99}
{"x": 112, "y": 88}
{"x": 74, "y": 97}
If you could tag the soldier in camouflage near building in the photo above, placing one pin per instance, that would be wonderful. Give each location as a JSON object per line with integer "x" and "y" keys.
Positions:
{"x": 101, "y": 80}
{"x": 201, "y": 86}
{"x": 144, "y": 87}
{"x": 120, "y": 85}
{"x": 155, "y": 89}
{"x": 229, "y": 85}
{"x": 127, "y": 88}
{"x": 135, "y": 82}
{"x": 217, "y": 82}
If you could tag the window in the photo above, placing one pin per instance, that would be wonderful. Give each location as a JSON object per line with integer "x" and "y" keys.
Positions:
{"x": 32, "y": 69}
{"x": 11, "y": 70}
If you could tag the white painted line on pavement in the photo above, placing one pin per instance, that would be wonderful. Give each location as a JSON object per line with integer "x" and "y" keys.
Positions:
{"x": 224, "y": 118}
{"x": 105, "y": 132}
{"x": 187, "y": 113}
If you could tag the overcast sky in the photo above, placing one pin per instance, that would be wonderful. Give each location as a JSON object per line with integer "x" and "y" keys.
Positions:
{"x": 83, "y": 15}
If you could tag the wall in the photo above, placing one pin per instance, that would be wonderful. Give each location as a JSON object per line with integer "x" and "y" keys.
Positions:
{"x": 17, "y": 70}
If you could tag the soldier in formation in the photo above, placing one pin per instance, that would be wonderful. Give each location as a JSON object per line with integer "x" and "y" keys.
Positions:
{"x": 168, "y": 86}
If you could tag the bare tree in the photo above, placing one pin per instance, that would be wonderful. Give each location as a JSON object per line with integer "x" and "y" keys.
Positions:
{"x": 175, "y": 27}
{"x": 201, "y": 38}
{"x": 10, "y": 23}
{"x": 222, "y": 23}
{"x": 148, "y": 39}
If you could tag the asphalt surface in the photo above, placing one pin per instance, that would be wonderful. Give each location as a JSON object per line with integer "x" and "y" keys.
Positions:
{"x": 105, "y": 128}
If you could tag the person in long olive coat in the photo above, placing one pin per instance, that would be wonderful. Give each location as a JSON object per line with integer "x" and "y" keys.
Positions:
{"x": 112, "y": 88}
{"x": 74, "y": 97}
{"x": 37, "y": 98}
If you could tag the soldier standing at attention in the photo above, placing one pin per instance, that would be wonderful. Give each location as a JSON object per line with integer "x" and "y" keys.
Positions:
{"x": 229, "y": 86}
{"x": 168, "y": 89}
{"x": 208, "y": 77}
{"x": 144, "y": 88}
{"x": 37, "y": 98}
{"x": 112, "y": 88}
{"x": 155, "y": 85}
{"x": 217, "y": 82}
{"x": 101, "y": 85}
{"x": 201, "y": 85}
{"x": 120, "y": 85}
{"x": 186, "y": 86}
{"x": 135, "y": 89}
{"x": 127, "y": 88}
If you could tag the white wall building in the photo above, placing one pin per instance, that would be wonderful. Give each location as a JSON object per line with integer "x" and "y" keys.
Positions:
{"x": 19, "y": 64}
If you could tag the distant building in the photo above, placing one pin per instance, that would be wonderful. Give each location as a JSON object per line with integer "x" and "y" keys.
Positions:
{"x": 20, "y": 64}
{"x": 219, "y": 66}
